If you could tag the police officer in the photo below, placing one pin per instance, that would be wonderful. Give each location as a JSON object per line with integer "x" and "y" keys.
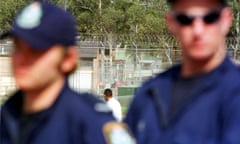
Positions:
{"x": 45, "y": 110}
{"x": 197, "y": 101}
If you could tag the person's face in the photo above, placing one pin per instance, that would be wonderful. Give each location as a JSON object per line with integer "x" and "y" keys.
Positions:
{"x": 106, "y": 98}
{"x": 202, "y": 33}
{"x": 34, "y": 69}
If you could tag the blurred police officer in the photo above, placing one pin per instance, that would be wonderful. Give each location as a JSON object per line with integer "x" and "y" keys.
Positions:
{"x": 45, "y": 110}
{"x": 198, "y": 101}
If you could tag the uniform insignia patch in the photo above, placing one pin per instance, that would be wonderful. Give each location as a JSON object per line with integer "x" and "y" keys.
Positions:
{"x": 30, "y": 17}
{"x": 117, "y": 133}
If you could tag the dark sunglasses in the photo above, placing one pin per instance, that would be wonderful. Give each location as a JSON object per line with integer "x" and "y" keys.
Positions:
{"x": 209, "y": 18}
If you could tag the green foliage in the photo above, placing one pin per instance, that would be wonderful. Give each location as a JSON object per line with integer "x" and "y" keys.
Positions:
{"x": 124, "y": 111}
{"x": 118, "y": 16}
{"x": 235, "y": 4}
{"x": 7, "y": 12}
{"x": 111, "y": 16}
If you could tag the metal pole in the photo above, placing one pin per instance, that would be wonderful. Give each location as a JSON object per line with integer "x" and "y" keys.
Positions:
{"x": 65, "y": 4}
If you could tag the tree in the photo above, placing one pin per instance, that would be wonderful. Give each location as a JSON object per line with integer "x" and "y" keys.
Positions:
{"x": 112, "y": 16}
{"x": 8, "y": 10}
{"x": 234, "y": 34}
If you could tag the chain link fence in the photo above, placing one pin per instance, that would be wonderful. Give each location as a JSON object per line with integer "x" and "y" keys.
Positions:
{"x": 122, "y": 63}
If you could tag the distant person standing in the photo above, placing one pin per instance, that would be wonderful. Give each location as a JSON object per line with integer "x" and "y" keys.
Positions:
{"x": 113, "y": 104}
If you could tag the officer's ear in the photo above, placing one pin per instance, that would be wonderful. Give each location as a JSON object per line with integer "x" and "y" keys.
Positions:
{"x": 70, "y": 59}
{"x": 226, "y": 20}
{"x": 171, "y": 23}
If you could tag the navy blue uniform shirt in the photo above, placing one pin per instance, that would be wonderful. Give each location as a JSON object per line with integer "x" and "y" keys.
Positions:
{"x": 73, "y": 119}
{"x": 209, "y": 115}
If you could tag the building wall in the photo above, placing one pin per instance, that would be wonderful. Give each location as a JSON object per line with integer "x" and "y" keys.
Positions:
{"x": 7, "y": 83}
